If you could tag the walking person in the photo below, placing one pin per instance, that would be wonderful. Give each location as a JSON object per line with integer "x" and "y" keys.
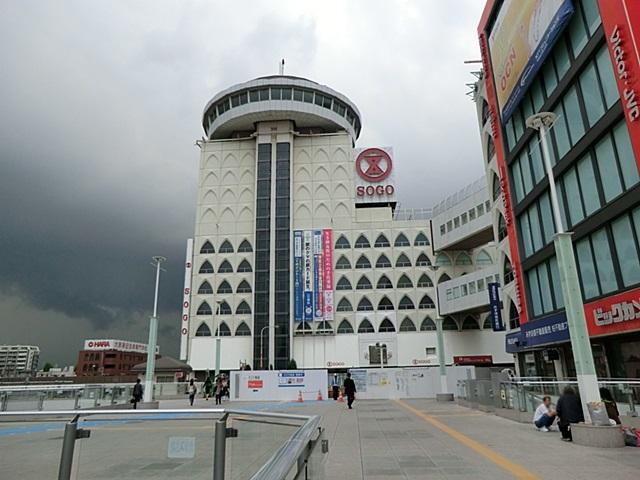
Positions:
{"x": 219, "y": 390}
{"x": 569, "y": 410}
{"x": 208, "y": 387}
{"x": 137, "y": 394}
{"x": 335, "y": 386}
{"x": 349, "y": 389}
{"x": 192, "y": 390}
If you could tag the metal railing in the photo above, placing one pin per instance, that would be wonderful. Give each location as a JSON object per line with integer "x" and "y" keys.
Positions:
{"x": 296, "y": 458}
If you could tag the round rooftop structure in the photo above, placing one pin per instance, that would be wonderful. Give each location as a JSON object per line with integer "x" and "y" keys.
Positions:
{"x": 279, "y": 97}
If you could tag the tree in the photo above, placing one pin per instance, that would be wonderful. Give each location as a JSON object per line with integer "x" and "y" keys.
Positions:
{"x": 47, "y": 366}
{"x": 292, "y": 365}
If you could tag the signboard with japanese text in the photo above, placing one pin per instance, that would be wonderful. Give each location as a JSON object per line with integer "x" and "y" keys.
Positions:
{"x": 615, "y": 314}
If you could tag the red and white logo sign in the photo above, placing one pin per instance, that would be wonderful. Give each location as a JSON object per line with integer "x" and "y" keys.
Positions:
{"x": 615, "y": 314}
{"x": 374, "y": 165}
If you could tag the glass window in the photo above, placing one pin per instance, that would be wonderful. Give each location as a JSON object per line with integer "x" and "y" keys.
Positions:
{"x": 517, "y": 180}
{"x": 456, "y": 222}
{"x": 591, "y": 94}
{"x": 307, "y": 96}
{"x": 572, "y": 191}
{"x": 536, "y": 233}
{"x": 627, "y": 252}
{"x": 276, "y": 93}
{"x": 545, "y": 288}
{"x": 626, "y": 156}
{"x": 556, "y": 282}
{"x": 518, "y": 125}
{"x": 549, "y": 75}
{"x": 607, "y": 78}
{"x": 263, "y": 93}
{"x": 608, "y": 169}
{"x": 588, "y": 185}
{"x": 577, "y": 32}
{"x": 591, "y": 14}
{"x": 297, "y": 95}
{"x": 534, "y": 289}
{"x": 527, "y": 180}
{"x": 511, "y": 138}
{"x": 547, "y": 217}
{"x": 574, "y": 116}
{"x": 587, "y": 269}
{"x": 561, "y": 56}
{"x": 537, "y": 95}
{"x": 535, "y": 158}
{"x": 480, "y": 209}
{"x": 604, "y": 263}
{"x": 253, "y": 96}
{"x": 559, "y": 130}
{"x": 286, "y": 94}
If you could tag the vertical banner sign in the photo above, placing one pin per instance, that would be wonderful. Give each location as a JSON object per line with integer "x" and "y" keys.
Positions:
{"x": 495, "y": 307}
{"x": 298, "y": 279}
{"x": 317, "y": 275}
{"x": 327, "y": 271}
{"x": 186, "y": 302}
{"x": 307, "y": 254}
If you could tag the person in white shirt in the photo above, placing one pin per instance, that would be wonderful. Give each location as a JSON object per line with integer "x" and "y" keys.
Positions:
{"x": 545, "y": 415}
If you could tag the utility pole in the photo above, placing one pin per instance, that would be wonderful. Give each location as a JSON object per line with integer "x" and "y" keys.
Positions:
{"x": 153, "y": 336}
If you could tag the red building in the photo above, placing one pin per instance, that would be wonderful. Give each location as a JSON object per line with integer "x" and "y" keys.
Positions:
{"x": 108, "y": 357}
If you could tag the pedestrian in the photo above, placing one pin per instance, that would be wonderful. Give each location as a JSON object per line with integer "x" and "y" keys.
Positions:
{"x": 544, "y": 415}
{"x": 610, "y": 404}
{"x": 208, "y": 387}
{"x": 335, "y": 386}
{"x": 192, "y": 390}
{"x": 219, "y": 390}
{"x": 137, "y": 394}
{"x": 349, "y": 389}
{"x": 569, "y": 410}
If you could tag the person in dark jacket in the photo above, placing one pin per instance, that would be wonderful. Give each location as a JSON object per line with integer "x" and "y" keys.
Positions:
{"x": 610, "y": 404}
{"x": 569, "y": 410}
{"x": 137, "y": 394}
{"x": 349, "y": 389}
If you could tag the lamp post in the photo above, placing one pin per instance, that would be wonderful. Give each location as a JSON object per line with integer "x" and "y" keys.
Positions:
{"x": 216, "y": 319}
{"x": 440, "y": 335}
{"x": 153, "y": 336}
{"x": 262, "y": 343}
{"x": 574, "y": 305}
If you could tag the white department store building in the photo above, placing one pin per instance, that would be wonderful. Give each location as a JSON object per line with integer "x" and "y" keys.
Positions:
{"x": 300, "y": 251}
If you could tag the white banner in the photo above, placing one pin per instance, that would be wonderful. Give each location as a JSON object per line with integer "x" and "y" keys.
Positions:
{"x": 186, "y": 302}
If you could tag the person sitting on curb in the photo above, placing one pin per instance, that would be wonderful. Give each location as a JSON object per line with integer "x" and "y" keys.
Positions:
{"x": 544, "y": 415}
{"x": 569, "y": 410}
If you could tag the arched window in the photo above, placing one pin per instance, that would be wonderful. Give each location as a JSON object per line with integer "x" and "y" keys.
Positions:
{"x": 207, "y": 247}
{"x": 484, "y": 258}
{"x": 224, "y": 287}
{"x": 502, "y": 228}
{"x": 444, "y": 278}
{"x": 206, "y": 267}
{"x": 407, "y": 325}
{"x": 226, "y": 247}
{"x": 491, "y": 148}
{"x": 344, "y": 305}
{"x": 243, "y": 308}
{"x": 225, "y": 267}
{"x": 386, "y": 326}
{"x": 383, "y": 262}
{"x": 363, "y": 262}
{"x": 487, "y": 325}
{"x": 426, "y": 302}
{"x": 303, "y": 327}
{"x": 497, "y": 188}
{"x": 244, "y": 267}
{"x": 364, "y": 284}
{"x": 423, "y": 261}
{"x": 424, "y": 281}
{"x": 385, "y": 304}
{"x": 514, "y": 316}
{"x": 362, "y": 242}
{"x": 243, "y": 287}
{"x": 463, "y": 259}
{"x": 225, "y": 331}
{"x": 364, "y": 305}
{"x": 205, "y": 288}
{"x": 449, "y": 324}
{"x": 245, "y": 247}
{"x": 381, "y": 242}
{"x": 343, "y": 284}
{"x": 224, "y": 308}
{"x": 442, "y": 260}
{"x": 203, "y": 330}
{"x": 343, "y": 263}
{"x": 345, "y": 327}
{"x": 401, "y": 241}
{"x": 243, "y": 330}
{"x": 405, "y": 282}
{"x": 384, "y": 283}
{"x": 485, "y": 112}
{"x": 342, "y": 243}
{"x": 406, "y": 304}
{"x": 421, "y": 240}
{"x": 470, "y": 323}
{"x": 427, "y": 325}
{"x": 324, "y": 327}
{"x": 403, "y": 261}
{"x": 204, "y": 309}
{"x": 507, "y": 272}
{"x": 365, "y": 327}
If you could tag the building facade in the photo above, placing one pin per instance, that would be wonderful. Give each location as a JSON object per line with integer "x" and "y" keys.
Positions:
{"x": 300, "y": 251}
{"x": 18, "y": 360}
{"x": 109, "y": 357}
{"x": 579, "y": 60}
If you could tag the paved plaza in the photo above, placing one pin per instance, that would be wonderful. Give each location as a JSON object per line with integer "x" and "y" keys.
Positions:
{"x": 378, "y": 439}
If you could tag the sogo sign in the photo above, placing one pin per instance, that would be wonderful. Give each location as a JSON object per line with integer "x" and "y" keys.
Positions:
{"x": 374, "y": 166}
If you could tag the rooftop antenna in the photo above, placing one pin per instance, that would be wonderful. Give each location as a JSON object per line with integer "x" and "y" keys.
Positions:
{"x": 282, "y": 67}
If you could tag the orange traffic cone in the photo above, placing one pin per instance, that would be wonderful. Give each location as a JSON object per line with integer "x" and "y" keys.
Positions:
{"x": 319, "y": 397}
{"x": 300, "y": 399}
{"x": 340, "y": 397}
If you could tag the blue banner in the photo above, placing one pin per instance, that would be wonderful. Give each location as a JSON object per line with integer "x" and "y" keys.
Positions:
{"x": 548, "y": 330}
{"x": 495, "y": 306}
{"x": 297, "y": 276}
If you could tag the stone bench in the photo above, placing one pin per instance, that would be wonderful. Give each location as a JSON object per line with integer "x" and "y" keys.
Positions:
{"x": 593, "y": 436}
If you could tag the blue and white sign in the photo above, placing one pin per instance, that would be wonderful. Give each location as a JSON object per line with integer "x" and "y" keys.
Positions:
{"x": 548, "y": 330}
{"x": 317, "y": 275}
{"x": 298, "y": 295}
{"x": 495, "y": 306}
{"x": 291, "y": 379}
{"x": 307, "y": 254}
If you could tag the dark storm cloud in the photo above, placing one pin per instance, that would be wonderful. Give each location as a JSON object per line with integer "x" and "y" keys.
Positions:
{"x": 100, "y": 103}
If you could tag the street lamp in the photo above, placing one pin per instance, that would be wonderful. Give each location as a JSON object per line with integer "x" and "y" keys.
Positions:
{"x": 262, "y": 344}
{"x": 216, "y": 315}
{"x": 440, "y": 335}
{"x": 153, "y": 336}
{"x": 574, "y": 305}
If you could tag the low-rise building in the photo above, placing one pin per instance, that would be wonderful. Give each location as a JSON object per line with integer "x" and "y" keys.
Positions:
{"x": 108, "y": 357}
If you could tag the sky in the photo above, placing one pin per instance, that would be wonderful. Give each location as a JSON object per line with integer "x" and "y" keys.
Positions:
{"x": 100, "y": 106}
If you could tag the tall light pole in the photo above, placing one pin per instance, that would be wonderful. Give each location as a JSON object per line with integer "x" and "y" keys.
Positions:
{"x": 574, "y": 305}
{"x": 153, "y": 336}
{"x": 216, "y": 319}
{"x": 442, "y": 366}
{"x": 262, "y": 343}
